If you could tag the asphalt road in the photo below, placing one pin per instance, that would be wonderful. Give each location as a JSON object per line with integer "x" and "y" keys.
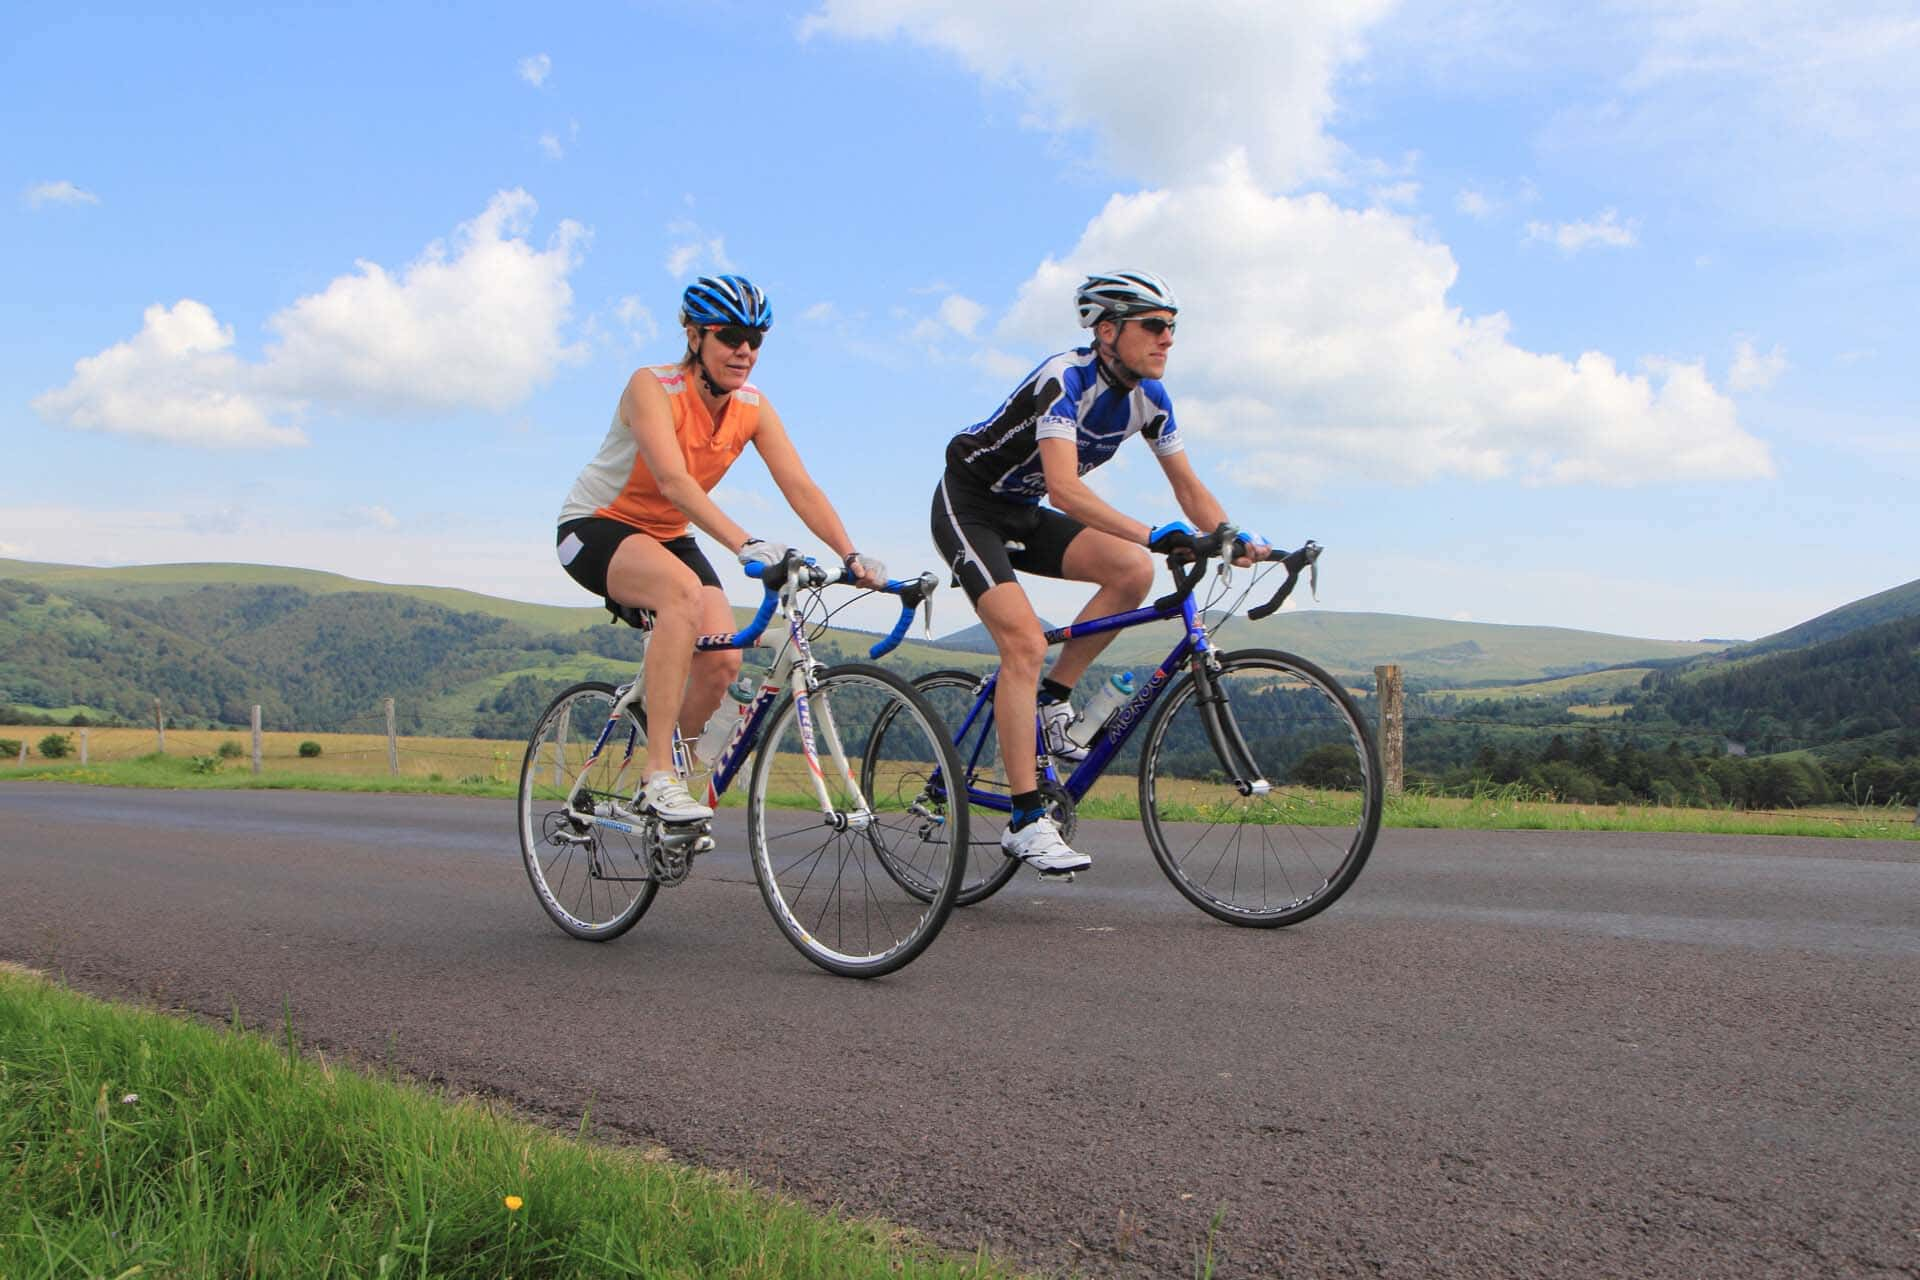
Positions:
{"x": 1503, "y": 1054}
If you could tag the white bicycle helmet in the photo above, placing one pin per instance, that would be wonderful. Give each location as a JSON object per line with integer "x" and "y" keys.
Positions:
{"x": 1115, "y": 295}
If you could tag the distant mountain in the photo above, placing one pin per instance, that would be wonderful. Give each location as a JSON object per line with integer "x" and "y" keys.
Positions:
{"x": 1886, "y": 606}
{"x": 209, "y": 642}
{"x": 1430, "y": 652}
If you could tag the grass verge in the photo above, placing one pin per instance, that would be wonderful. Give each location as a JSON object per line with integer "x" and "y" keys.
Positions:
{"x": 141, "y": 1144}
{"x": 1497, "y": 809}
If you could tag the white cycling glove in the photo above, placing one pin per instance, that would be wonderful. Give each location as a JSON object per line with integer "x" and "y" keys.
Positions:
{"x": 760, "y": 551}
{"x": 859, "y": 565}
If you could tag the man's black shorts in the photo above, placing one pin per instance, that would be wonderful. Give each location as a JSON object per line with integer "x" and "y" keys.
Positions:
{"x": 984, "y": 538}
{"x": 586, "y": 548}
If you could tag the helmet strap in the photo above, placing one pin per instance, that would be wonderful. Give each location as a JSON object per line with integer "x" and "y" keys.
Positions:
{"x": 1116, "y": 370}
{"x": 699, "y": 362}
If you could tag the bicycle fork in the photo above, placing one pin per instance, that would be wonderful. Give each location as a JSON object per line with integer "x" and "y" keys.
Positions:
{"x": 1223, "y": 733}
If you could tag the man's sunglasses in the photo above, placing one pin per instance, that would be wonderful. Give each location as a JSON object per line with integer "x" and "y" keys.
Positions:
{"x": 732, "y": 335}
{"x": 1156, "y": 325}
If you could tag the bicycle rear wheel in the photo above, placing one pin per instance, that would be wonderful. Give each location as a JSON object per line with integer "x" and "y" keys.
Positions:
{"x": 825, "y": 879}
{"x": 951, "y": 696}
{"x": 1272, "y": 858}
{"x": 593, "y": 881}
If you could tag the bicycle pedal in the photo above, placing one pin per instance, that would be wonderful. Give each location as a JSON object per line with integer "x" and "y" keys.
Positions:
{"x": 1064, "y": 877}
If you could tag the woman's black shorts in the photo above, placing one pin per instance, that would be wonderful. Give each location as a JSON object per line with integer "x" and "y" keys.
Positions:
{"x": 586, "y": 548}
{"x": 985, "y": 538}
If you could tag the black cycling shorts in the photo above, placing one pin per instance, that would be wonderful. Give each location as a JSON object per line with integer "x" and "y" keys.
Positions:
{"x": 586, "y": 548}
{"x": 985, "y": 538}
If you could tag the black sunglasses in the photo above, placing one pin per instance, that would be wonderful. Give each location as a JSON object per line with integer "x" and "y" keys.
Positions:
{"x": 1155, "y": 325}
{"x": 732, "y": 335}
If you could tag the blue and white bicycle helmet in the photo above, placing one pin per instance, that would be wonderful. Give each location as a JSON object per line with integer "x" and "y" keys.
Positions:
{"x": 725, "y": 300}
{"x": 1115, "y": 295}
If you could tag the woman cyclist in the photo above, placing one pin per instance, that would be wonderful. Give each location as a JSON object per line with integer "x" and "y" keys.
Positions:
{"x": 623, "y": 529}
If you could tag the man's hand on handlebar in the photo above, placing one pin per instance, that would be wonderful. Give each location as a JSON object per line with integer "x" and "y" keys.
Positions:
{"x": 1175, "y": 540}
{"x": 1249, "y": 547}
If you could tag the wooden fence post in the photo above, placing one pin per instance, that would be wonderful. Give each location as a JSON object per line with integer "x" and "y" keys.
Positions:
{"x": 560, "y": 752}
{"x": 393, "y": 744}
{"x": 160, "y": 727}
{"x": 83, "y": 747}
{"x": 23, "y": 750}
{"x": 256, "y": 739}
{"x": 1393, "y": 750}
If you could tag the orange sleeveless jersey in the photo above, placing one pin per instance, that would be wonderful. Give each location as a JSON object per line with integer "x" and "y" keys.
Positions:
{"x": 617, "y": 483}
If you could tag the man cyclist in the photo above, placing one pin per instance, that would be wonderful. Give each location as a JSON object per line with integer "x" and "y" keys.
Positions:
{"x": 1066, "y": 418}
{"x": 623, "y": 528}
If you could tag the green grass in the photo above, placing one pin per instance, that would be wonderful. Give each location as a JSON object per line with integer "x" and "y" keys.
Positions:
{"x": 1495, "y": 809}
{"x": 140, "y": 1144}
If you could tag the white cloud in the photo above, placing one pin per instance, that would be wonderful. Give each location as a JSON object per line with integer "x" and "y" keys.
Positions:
{"x": 1475, "y": 204}
{"x": 377, "y": 517}
{"x": 961, "y": 314}
{"x": 550, "y": 143}
{"x": 477, "y": 326}
{"x": 1606, "y": 231}
{"x": 1168, "y": 90}
{"x": 176, "y": 380}
{"x": 536, "y": 69}
{"x": 61, "y": 192}
{"x": 641, "y": 327}
{"x": 1315, "y": 338}
{"x": 818, "y": 313}
{"x": 695, "y": 249}
{"x": 1753, "y": 371}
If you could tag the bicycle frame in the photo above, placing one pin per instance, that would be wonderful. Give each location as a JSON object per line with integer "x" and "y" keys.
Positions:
{"x": 1120, "y": 726}
{"x": 792, "y": 671}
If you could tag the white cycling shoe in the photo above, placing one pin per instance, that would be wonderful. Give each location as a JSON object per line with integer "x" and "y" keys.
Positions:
{"x": 667, "y": 798}
{"x": 1038, "y": 844}
{"x": 1055, "y": 719}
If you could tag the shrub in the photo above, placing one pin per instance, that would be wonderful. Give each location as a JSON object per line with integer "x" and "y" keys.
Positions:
{"x": 56, "y": 746}
{"x": 204, "y": 764}
{"x": 231, "y": 749}
{"x": 309, "y": 749}
{"x": 10, "y": 748}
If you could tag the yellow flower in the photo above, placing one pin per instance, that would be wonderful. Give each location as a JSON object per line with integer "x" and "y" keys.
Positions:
{"x": 514, "y": 1203}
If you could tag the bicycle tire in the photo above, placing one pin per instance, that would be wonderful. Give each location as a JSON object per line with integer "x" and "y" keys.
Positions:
{"x": 594, "y": 882}
{"x": 856, "y": 919}
{"x": 1273, "y": 859}
{"x": 950, "y": 693}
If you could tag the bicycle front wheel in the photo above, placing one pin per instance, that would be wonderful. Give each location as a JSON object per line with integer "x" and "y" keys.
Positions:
{"x": 1291, "y": 847}
{"x": 593, "y": 881}
{"x": 825, "y": 876}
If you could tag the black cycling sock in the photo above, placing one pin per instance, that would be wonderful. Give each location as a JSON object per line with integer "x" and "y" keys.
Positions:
{"x": 1052, "y": 690}
{"x": 1027, "y": 806}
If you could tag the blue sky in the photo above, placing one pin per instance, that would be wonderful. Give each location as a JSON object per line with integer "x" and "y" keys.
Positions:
{"x": 1595, "y": 316}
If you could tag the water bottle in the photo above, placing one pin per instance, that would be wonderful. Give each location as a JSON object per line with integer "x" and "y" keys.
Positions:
{"x": 713, "y": 738}
{"x": 1111, "y": 696}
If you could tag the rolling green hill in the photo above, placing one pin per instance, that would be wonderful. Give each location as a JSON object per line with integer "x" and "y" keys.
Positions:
{"x": 1431, "y": 652}
{"x": 1885, "y": 606}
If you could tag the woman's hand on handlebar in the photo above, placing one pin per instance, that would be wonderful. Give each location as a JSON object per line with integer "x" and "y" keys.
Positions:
{"x": 1249, "y": 548}
{"x": 865, "y": 571}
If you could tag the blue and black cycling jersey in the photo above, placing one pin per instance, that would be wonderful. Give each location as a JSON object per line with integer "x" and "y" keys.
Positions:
{"x": 1067, "y": 398}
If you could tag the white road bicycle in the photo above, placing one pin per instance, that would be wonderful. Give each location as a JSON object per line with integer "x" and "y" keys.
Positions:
{"x": 828, "y": 810}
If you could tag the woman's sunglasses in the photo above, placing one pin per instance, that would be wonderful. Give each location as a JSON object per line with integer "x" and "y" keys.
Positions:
{"x": 732, "y": 335}
{"x": 1156, "y": 325}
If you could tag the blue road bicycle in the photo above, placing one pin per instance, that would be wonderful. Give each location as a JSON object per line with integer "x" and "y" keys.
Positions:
{"x": 832, "y": 815}
{"x": 1259, "y": 783}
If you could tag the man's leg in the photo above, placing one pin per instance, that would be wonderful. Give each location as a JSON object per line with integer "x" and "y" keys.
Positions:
{"x": 1124, "y": 572}
{"x": 1017, "y": 634}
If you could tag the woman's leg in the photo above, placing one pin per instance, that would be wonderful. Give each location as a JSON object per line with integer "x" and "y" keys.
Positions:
{"x": 645, "y": 574}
